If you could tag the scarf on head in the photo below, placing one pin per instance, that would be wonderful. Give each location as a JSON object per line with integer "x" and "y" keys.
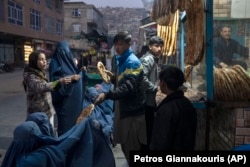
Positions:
{"x": 36, "y": 72}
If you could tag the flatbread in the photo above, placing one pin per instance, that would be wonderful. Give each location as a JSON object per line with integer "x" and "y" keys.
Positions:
{"x": 85, "y": 112}
{"x": 187, "y": 72}
{"x": 102, "y": 71}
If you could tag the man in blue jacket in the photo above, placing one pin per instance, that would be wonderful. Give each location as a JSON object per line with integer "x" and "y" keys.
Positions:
{"x": 129, "y": 128}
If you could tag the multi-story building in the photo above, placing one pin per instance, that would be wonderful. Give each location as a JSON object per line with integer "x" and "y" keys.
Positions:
{"x": 27, "y": 25}
{"x": 82, "y": 24}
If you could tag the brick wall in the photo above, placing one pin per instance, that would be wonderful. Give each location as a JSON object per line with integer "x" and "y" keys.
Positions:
{"x": 242, "y": 131}
{"x": 229, "y": 127}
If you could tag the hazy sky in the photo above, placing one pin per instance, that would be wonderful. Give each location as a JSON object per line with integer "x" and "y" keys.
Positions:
{"x": 113, "y": 3}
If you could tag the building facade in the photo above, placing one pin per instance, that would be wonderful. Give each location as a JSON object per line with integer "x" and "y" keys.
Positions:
{"x": 82, "y": 19}
{"x": 28, "y": 25}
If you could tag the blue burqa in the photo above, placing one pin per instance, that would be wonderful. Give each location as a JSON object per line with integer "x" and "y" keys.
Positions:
{"x": 42, "y": 120}
{"x": 102, "y": 114}
{"x": 67, "y": 100}
{"x": 81, "y": 145}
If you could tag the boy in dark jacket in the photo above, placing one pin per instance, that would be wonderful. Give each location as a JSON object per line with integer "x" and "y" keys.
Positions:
{"x": 176, "y": 119}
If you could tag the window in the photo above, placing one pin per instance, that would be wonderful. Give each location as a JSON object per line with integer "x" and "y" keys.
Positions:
{"x": 50, "y": 24}
{"x": 58, "y": 5}
{"x": 15, "y": 13}
{"x": 76, "y": 12}
{"x": 49, "y": 4}
{"x": 37, "y": 1}
{"x": 76, "y": 27}
{"x": 35, "y": 20}
{"x": 59, "y": 25}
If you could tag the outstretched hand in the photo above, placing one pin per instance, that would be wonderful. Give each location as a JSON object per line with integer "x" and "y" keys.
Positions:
{"x": 75, "y": 77}
{"x": 65, "y": 80}
{"x": 99, "y": 98}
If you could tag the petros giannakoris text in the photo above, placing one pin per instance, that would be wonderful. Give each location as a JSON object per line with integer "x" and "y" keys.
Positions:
{"x": 174, "y": 158}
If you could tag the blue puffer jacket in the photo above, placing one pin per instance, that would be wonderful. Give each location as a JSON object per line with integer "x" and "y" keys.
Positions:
{"x": 129, "y": 90}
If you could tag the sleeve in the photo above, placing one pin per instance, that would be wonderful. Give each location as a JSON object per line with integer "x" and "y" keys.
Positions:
{"x": 37, "y": 85}
{"x": 242, "y": 50}
{"x": 128, "y": 83}
{"x": 148, "y": 63}
{"x": 163, "y": 128}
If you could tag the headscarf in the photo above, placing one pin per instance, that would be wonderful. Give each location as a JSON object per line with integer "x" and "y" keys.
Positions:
{"x": 65, "y": 58}
{"x": 32, "y": 68}
{"x": 42, "y": 120}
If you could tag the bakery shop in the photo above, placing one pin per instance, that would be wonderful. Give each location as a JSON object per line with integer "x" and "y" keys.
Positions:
{"x": 217, "y": 73}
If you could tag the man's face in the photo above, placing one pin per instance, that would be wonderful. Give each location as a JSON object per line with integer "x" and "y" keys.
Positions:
{"x": 226, "y": 32}
{"x": 155, "y": 49}
{"x": 121, "y": 47}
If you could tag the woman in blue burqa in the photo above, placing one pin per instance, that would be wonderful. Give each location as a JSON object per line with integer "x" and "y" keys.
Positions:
{"x": 102, "y": 115}
{"x": 34, "y": 146}
{"x": 67, "y": 100}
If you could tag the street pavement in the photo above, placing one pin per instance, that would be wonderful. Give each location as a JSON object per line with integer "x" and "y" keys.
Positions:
{"x": 13, "y": 112}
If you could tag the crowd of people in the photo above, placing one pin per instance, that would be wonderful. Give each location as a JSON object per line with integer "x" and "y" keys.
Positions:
{"x": 125, "y": 110}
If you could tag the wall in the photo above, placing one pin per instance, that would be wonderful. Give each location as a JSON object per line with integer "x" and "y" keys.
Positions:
{"x": 228, "y": 127}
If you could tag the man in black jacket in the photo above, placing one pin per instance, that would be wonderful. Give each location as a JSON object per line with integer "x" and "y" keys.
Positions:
{"x": 225, "y": 48}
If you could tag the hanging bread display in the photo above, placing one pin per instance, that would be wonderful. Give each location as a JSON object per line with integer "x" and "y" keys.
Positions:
{"x": 231, "y": 84}
{"x": 164, "y": 8}
{"x": 169, "y": 35}
{"x": 166, "y": 14}
{"x": 195, "y": 23}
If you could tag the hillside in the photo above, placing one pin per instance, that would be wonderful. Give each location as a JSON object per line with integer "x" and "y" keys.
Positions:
{"x": 120, "y": 19}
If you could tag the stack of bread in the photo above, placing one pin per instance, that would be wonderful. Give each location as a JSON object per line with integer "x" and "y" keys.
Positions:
{"x": 231, "y": 84}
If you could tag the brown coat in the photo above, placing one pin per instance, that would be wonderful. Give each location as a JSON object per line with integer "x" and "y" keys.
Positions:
{"x": 38, "y": 91}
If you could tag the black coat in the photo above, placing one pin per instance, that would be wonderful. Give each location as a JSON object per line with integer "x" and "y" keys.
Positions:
{"x": 175, "y": 124}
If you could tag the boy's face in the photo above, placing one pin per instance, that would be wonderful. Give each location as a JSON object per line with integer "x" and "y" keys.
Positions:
{"x": 121, "y": 47}
{"x": 155, "y": 49}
